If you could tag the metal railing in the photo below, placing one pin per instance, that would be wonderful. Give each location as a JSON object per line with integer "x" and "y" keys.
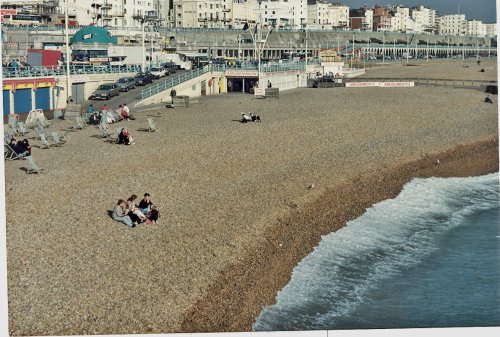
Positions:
{"x": 234, "y": 30}
{"x": 265, "y": 68}
{"x": 169, "y": 83}
{"x": 30, "y": 71}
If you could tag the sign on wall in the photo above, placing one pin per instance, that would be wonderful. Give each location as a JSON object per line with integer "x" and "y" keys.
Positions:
{"x": 380, "y": 84}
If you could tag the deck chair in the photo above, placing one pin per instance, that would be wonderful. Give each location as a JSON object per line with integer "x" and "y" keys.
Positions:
{"x": 40, "y": 130}
{"x": 152, "y": 125}
{"x": 79, "y": 122}
{"x": 104, "y": 120}
{"x": 56, "y": 139}
{"x": 11, "y": 130}
{"x": 116, "y": 116}
{"x": 103, "y": 131}
{"x": 73, "y": 125}
{"x": 8, "y": 133}
{"x": 32, "y": 168}
{"x": 44, "y": 142}
{"x": 13, "y": 120}
{"x": 43, "y": 120}
{"x": 117, "y": 134}
{"x": 9, "y": 153}
{"x": 21, "y": 129}
{"x": 65, "y": 136}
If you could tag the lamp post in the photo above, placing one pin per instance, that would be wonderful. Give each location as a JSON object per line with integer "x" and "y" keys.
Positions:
{"x": 143, "y": 46}
{"x": 68, "y": 75}
{"x": 306, "y": 48}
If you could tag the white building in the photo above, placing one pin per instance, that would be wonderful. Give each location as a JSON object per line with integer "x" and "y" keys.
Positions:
{"x": 244, "y": 11}
{"x": 476, "y": 28}
{"x": 454, "y": 24}
{"x": 318, "y": 16}
{"x": 113, "y": 13}
{"x": 491, "y": 29}
{"x": 284, "y": 13}
{"x": 199, "y": 13}
{"x": 325, "y": 15}
{"x": 406, "y": 22}
{"x": 425, "y": 18}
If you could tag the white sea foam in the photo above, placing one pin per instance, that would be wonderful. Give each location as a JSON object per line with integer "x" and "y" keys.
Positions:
{"x": 388, "y": 238}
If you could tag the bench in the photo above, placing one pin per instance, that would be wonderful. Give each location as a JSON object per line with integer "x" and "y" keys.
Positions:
{"x": 73, "y": 110}
{"x": 180, "y": 101}
{"x": 272, "y": 93}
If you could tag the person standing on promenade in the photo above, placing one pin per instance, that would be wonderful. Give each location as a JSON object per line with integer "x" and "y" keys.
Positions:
{"x": 173, "y": 94}
{"x": 120, "y": 213}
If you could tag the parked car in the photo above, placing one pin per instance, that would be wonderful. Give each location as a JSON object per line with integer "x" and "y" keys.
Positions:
{"x": 105, "y": 91}
{"x": 170, "y": 67}
{"x": 158, "y": 72}
{"x": 327, "y": 82}
{"x": 142, "y": 79}
{"x": 126, "y": 83}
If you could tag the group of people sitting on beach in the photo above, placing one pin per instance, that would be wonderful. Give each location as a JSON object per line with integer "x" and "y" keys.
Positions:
{"x": 249, "y": 118}
{"x": 22, "y": 148}
{"x": 131, "y": 214}
{"x": 95, "y": 117}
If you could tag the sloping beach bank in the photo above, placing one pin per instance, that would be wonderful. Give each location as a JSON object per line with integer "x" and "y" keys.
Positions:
{"x": 221, "y": 187}
{"x": 240, "y": 292}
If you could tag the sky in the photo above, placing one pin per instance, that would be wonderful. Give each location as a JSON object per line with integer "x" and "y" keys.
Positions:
{"x": 484, "y": 10}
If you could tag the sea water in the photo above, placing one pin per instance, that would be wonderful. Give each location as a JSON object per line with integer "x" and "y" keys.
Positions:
{"x": 428, "y": 258}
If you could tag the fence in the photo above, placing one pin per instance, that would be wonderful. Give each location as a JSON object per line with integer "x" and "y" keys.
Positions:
{"x": 265, "y": 68}
{"x": 14, "y": 72}
{"x": 169, "y": 83}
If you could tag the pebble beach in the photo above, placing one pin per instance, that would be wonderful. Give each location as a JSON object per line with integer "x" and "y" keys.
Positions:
{"x": 240, "y": 204}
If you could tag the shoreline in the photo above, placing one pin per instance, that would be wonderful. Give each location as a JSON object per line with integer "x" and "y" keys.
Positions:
{"x": 241, "y": 290}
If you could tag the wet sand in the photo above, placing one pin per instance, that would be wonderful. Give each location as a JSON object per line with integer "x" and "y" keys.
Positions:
{"x": 229, "y": 195}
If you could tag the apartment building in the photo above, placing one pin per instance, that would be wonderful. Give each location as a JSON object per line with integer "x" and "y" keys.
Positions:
{"x": 381, "y": 19}
{"x": 491, "y": 29}
{"x": 425, "y": 18}
{"x": 361, "y": 19}
{"x": 283, "y": 13}
{"x": 326, "y": 15}
{"x": 476, "y": 28}
{"x": 200, "y": 13}
{"x": 454, "y": 24}
{"x": 244, "y": 11}
{"x": 113, "y": 13}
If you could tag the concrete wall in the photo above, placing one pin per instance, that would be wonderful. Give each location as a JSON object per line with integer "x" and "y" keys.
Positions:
{"x": 216, "y": 84}
{"x": 91, "y": 82}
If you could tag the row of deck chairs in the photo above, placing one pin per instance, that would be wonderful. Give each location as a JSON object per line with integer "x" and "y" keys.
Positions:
{"x": 16, "y": 127}
{"x": 78, "y": 123}
{"x": 38, "y": 119}
{"x": 52, "y": 139}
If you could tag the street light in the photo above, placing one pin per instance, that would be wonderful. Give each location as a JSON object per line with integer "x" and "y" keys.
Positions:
{"x": 143, "y": 47}
{"x": 68, "y": 77}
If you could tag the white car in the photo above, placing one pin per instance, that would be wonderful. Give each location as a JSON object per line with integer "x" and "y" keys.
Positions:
{"x": 158, "y": 72}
